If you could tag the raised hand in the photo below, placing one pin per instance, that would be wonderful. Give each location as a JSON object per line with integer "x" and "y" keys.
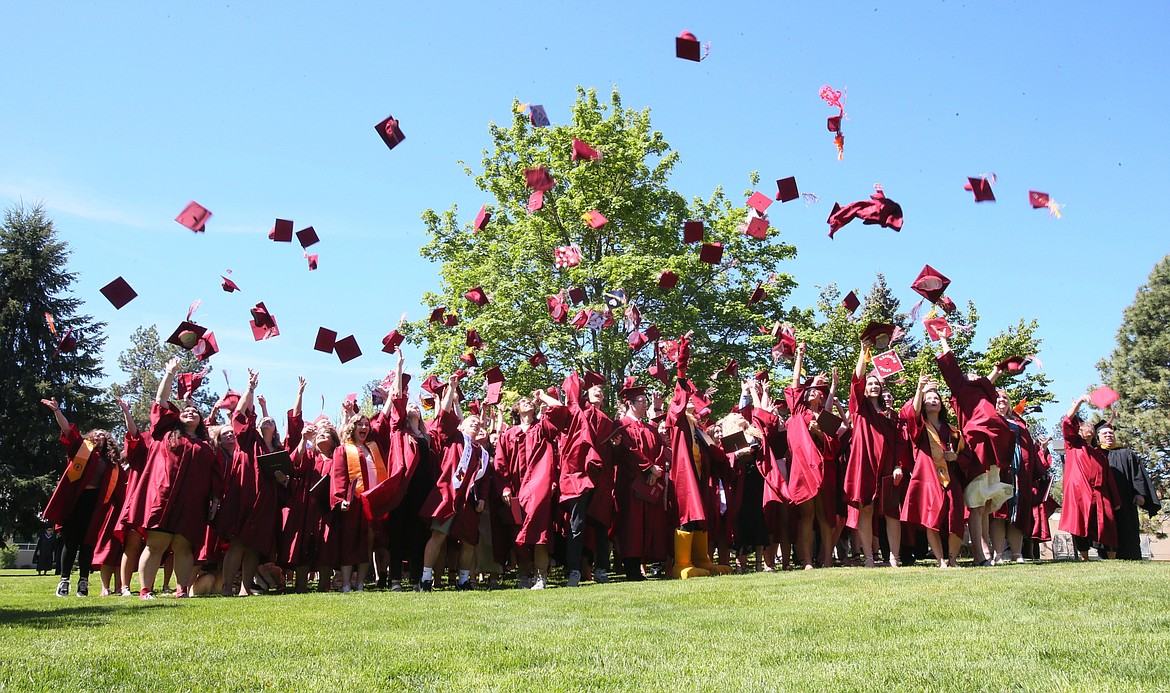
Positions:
{"x": 172, "y": 366}
{"x": 51, "y": 403}
{"x": 301, "y": 383}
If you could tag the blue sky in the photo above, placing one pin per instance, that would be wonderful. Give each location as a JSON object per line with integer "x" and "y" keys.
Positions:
{"x": 116, "y": 115}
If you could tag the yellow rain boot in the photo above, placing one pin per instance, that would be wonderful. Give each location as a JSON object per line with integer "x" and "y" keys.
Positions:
{"x": 682, "y": 557}
{"x": 702, "y": 559}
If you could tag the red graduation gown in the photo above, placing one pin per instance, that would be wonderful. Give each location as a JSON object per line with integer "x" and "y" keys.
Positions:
{"x": 813, "y": 468}
{"x": 640, "y": 524}
{"x": 1090, "y": 492}
{"x": 688, "y": 476}
{"x": 94, "y": 472}
{"x": 1042, "y": 508}
{"x": 986, "y": 432}
{"x": 529, "y": 463}
{"x": 451, "y": 495}
{"x": 928, "y": 503}
{"x": 872, "y": 447}
{"x": 107, "y": 550}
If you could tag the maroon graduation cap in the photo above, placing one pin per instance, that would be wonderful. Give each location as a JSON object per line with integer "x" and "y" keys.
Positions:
{"x": 539, "y": 179}
{"x": 229, "y": 285}
{"x": 667, "y": 279}
{"x": 693, "y": 232}
{"x": 118, "y": 293}
{"x": 930, "y": 284}
{"x": 851, "y": 302}
{"x": 282, "y": 231}
{"x": 347, "y": 349}
{"x": 390, "y": 132}
{"x": 686, "y": 46}
{"x": 982, "y": 188}
{"x": 786, "y": 189}
{"x": 326, "y": 339}
{"x": 307, "y": 237}
{"x": 756, "y": 227}
{"x": 711, "y": 253}
{"x": 582, "y": 150}
{"x": 392, "y": 341}
{"x": 482, "y": 219}
{"x": 477, "y": 296}
{"x": 194, "y": 216}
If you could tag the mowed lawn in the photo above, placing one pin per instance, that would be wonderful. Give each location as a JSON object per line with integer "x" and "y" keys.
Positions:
{"x": 1095, "y": 626}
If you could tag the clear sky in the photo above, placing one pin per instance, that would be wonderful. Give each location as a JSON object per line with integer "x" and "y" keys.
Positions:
{"x": 115, "y": 115}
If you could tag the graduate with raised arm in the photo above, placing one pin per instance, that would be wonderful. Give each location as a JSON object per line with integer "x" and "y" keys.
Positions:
{"x": 872, "y": 448}
{"x": 1090, "y": 491}
{"x": 990, "y": 439}
{"x": 458, "y": 497}
{"x": 84, "y": 490}
{"x": 641, "y": 459}
{"x": 1013, "y": 521}
{"x": 178, "y": 485}
{"x": 310, "y": 529}
{"x": 934, "y": 494}
{"x": 774, "y": 466}
{"x": 526, "y": 471}
{"x": 813, "y": 453}
{"x": 107, "y": 547}
{"x": 1133, "y": 488}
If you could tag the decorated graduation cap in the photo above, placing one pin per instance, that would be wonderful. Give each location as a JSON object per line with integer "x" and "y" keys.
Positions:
{"x": 786, "y": 189}
{"x": 307, "y": 237}
{"x": 118, "y": 293}
{"x": 851, "y": 303}
{"x": 693, "y": 232}
{"x": 878, "y": 333}
{"x": 581, "y": 318}
{"x": 947, "y": 305}
{"x": 390, "y": 132}
{"x": 194, "y": 216}
{"x": 930, "y": 284}
{"x": 581, "y": 150}
{"x": 477, "y": 296}
{"x": 282, "y": 231}
{"x": 482, "y": 219}
{"x": 981, "y": 186}
{"x": 347, "y": 349}
{"x": 615, "y": 298}
{"x": 595, "y": 219}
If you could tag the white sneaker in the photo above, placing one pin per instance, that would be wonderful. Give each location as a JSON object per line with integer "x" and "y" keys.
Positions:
{"x": 538, "y": 584}
{"x": 63, "y": 587}
{"x": 574, "y": 578}
{"x": 125, "y": 592}
{"x": 600, "y": 577}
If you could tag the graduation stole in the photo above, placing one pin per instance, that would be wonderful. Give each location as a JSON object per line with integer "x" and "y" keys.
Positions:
{"x": 460, "y": 473}
{"x": 111, "y": 484}
{"x": 357, "y": 471}
{"x": 937, "y": 449}
{"x": 699, "y": 441}
{"x": 80, "y": 460}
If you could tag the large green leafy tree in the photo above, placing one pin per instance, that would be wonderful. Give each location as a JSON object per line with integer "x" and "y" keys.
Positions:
{"x": 513, "y": 258}
{"x": 1139, "y": 370}
{"x": 144, "y": 364}
{"x": 34, "y": 282}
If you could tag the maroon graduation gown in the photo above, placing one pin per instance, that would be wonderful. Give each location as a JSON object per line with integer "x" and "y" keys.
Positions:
{"x": 928, "y": 503}
{"x": 986, "y": 432}
{"x": 872, "y": 447}
{"x": 812, "y": 470}
{"x": 1090, "y": 492}
{"x": 640, "y": 524}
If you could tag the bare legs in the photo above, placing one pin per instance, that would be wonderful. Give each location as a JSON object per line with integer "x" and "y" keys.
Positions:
{"x": 865, "y": 533}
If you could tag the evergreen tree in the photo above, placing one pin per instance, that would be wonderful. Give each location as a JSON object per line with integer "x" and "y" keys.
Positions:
{"x": 34, "y": 288}
{"x": 1139, "y": 370}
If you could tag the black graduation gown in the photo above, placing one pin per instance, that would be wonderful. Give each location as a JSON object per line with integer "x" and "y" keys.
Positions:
{"x": 1130, "y": 474}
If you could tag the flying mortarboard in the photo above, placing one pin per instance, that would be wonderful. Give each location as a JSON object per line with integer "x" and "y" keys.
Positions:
{"x": 194, "y": 216}
{"x": 652, "y": 333}
{"x": 786, "y": 189}
{"x": 1037, "y": 199}
{"x": 326, "y": 339}
{"x": 537, "y": 116}
{"x": 390, "y": 133}
{"x": 667, "y": 279}
{"x": 473, "y": 340}
{"x": 538, "y": 359}
{"x": 851, "y": 302}
{"x": 595, "y": 219}
{"x": 982, "y": 189}
{"x": 437, "y": 314}
{"x": 307, "y": 236}
{"x": 468, "y": 359}
{"x": 535, "y": 201}
{"x": 878, "y": 333}
{"x": 477, "y": 296}
{"x": 758, "y": 294}
{"x": 186, "y": 335}
{"x": 282, "y": 231}
{"x": 206, "y": 347}
{"x": 118, "y": 292}
{"x": 693, "y": 232}
{"x": 930, "y": 284}
{"x": 482, "y": 219}
{"x": 937, "y": 328}
{"x": 947, "y": 304}
{"x": 756, "y": 227}
{"x": 229, "y": 285}
{"x": 637, "y": 340}
{"x": 686, "y": 46}
{"x": 539, "y": 179}
{"x": 711, "y": 253}
{"x": 577, "y": 295}
{"x": 312, "y": 261}
{"x": 759, "y": 202}
{"x": 582, "y": 150}
{"x": 1104, "y": 397}
{"x": 347, "y": 349}
{"x": 1014, "y": 364}
{"x": 392, "y": 341}
{"x": 450, "y": 319}
{"x": 67, "y": 344}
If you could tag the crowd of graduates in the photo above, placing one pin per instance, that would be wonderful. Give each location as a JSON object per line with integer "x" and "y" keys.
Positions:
{"x": 789, "y": 478}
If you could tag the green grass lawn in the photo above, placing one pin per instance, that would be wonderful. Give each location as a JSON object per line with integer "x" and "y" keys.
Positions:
{"x": 1095, "y": 626}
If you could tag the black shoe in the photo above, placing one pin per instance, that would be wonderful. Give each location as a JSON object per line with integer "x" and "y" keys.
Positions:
{"x": 465, "y": 586}
{"x": 425, "y": 586}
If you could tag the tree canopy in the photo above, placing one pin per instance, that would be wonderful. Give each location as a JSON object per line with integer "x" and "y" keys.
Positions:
{"x": 35, "y": 301}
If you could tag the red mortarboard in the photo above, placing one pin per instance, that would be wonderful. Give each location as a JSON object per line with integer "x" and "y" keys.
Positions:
{"x": 494, "y": 375}
{"x": 229, "y": 285}
{"x": 473, "y": 340}
{"x": 186, "y": 383}
{"x": 937, "y": 328}
{"x": 326, "y": 339}
{"x": 759, "y": 202}
{"x": 686, "y": 46}
{"x": 389, "y": 131}
{"x": 1014, "y": 364}
{"x": 590, "y": 379}
{"x": 581, "y": 150}
{"x": 347, "y": 349}
{"x": 577, "y": 295}
{"x": 469, "y": 359}
{"x": 731, "y": 369}
{"x": 692, "y": 232}
{"x": 758, "y": 294}
{"x": 887, "y": 363}
{"x": 711, "y": 253}
{"x": 477, "y": 296}
{"x": 282, "y": 231}
{"x": 194, "y": 216}
{"x": 312, "y": 261}
{"x": 206, "y": 347}
{"x": 118, "y": 292}
{"x": 186, "y": 335}
{"x": 879, "y": 333}
{"x": 851, "y": 302}
{"x": 1037, "y": 199}
{"x": 930, "y": 284}
{"x": 631, "y": 388}
{"x": 492, "y": 397}
{"x": 761, "y": 376}
{"x": 637, "y": 340}
{"x": 537, "y": 116}
{"x": 667, "y": 279}
{"x": 67, "y": 344}
{"x": 437, "y": 314}
{"x": 947, "y": 304}
{"x": 433, "y": 385}
{"x": 260, "y": 332}
{"x": 262, "y": 317}
{"x": 307, "y": 236}
{"x": 482, "y": 219}
{"x": 539, "y": 179}
{"x": 538, "y": 359}
{"x": 392, "y": 341}
{"x": 786, "y": 189}
{"x": 659, "y": 372}
{"x": 982, "y": 189}
{"x": 1104, "y": 397}
{"x": 829, "y": 422}
{"x": 557, "y": 308}
{"x": 652, "y": 333}
{"x": 756, "y": 227}
{"x": 595, "y": 219}
{"x": 229, "y": 400}
{"x": 834, "y": 123}
{"x": 451, "y": 320}
{"x": 535, "y": 201}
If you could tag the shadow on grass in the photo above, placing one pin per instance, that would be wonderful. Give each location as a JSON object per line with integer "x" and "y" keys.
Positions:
{"x": 70, "y": 616}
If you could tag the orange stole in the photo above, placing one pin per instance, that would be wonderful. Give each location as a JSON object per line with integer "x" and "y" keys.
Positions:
{"x": 111, "y": 485}
{"x": 353, "y": 461}
{"x": 78, "y": 463}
